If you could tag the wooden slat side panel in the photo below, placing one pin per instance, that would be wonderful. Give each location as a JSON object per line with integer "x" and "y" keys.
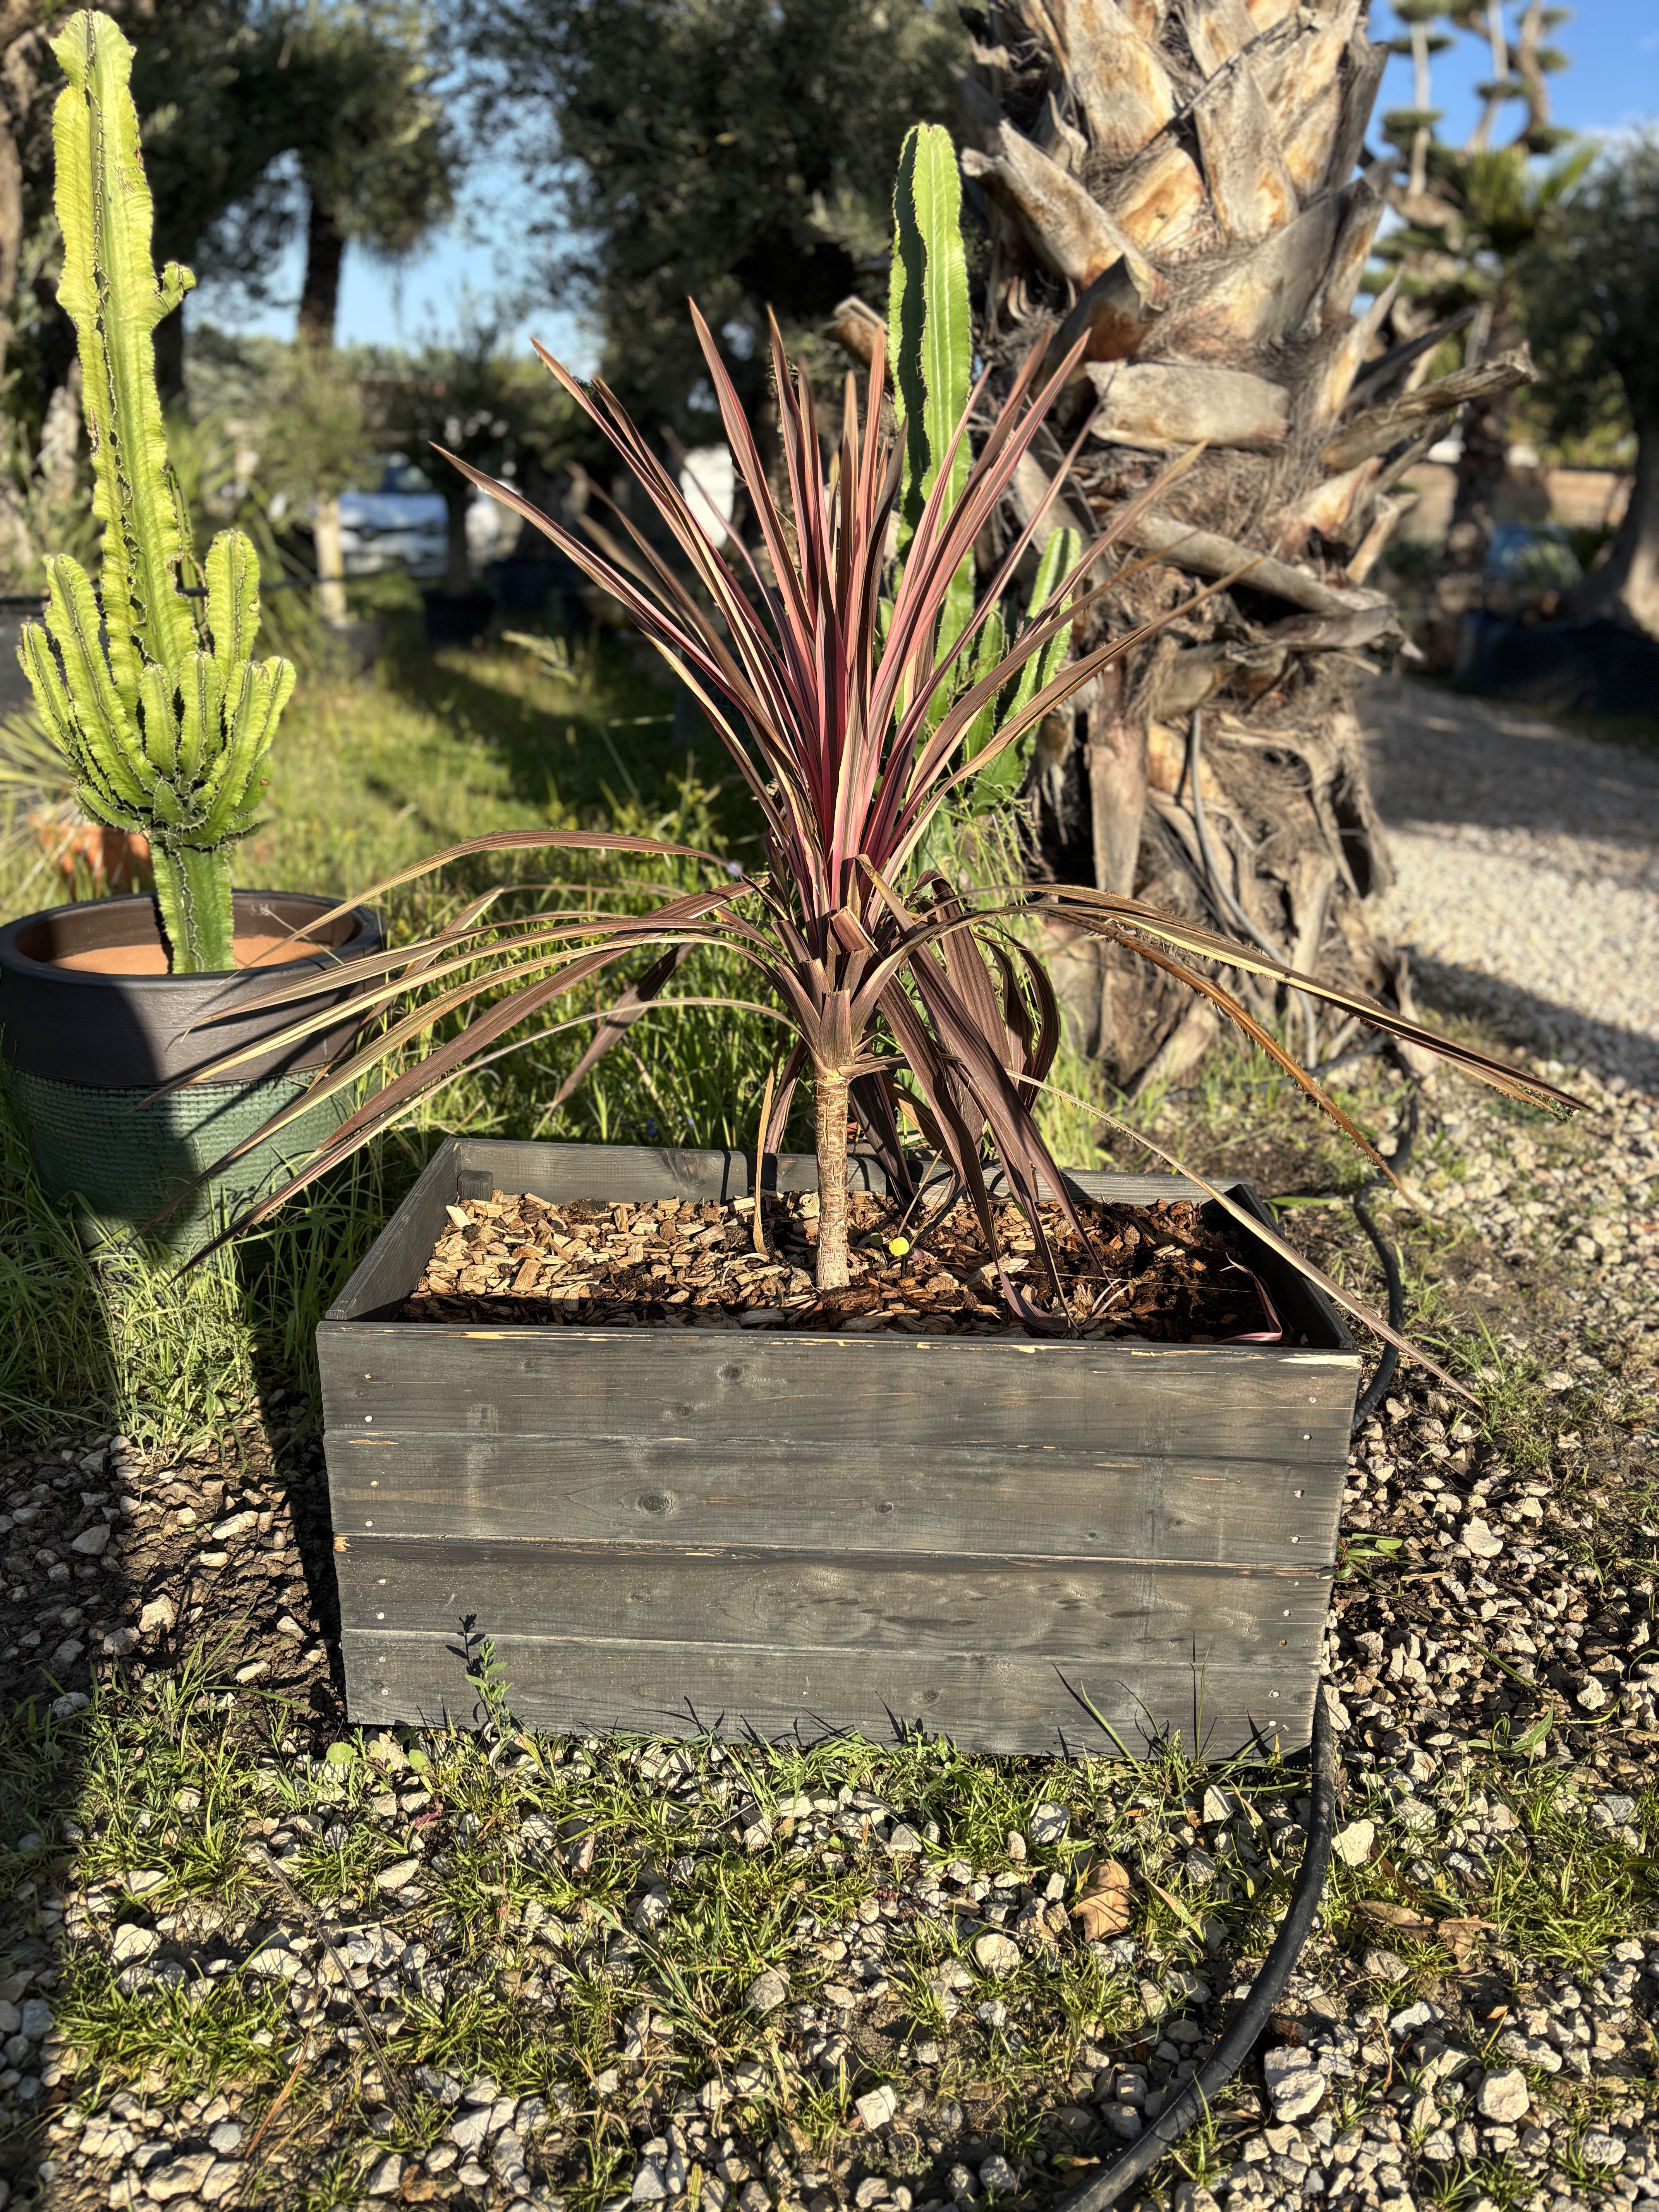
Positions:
{"x": 992, "y": 1704}
{"x": 1302, "y": 1306}
{"x": 1135, "y": 1613}
{"x": 904, "y": 1393}
{"x": 602, "y": 1175}
{"x": 404, "y": 1246}
{"x": 859, "y": 1496}
{"x": 605, "y": 1173}
{"x": 471, "y": 1167}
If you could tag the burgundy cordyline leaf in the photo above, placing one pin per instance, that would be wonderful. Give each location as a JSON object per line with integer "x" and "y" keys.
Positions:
{"x": 836, "y": 728}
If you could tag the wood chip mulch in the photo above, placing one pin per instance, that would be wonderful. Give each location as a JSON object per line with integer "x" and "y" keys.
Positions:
{"x": 1162, "y": 1272}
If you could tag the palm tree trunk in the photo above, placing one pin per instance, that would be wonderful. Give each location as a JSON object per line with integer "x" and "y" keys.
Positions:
{"x": 320, "y": 292}
{"x": 1179, "y": 184}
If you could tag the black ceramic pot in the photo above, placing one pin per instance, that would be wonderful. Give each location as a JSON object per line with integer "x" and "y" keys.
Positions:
{"x": 84, "y": 1052}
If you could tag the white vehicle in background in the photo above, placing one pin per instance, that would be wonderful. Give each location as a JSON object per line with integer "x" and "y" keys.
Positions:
{"x": 405, "y": 525}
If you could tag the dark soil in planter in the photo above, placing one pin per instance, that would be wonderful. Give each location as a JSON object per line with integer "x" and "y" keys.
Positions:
{"x": 1164, "y": 1272}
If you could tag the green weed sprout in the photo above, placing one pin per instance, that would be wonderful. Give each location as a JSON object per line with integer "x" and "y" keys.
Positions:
{"x": 166, "y": 719}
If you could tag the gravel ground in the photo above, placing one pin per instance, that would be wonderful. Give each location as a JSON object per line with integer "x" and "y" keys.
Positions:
{"x": 244, "y": 1961}
{"x": 918, "y": 2017}
{"x": 1529, "y": 870}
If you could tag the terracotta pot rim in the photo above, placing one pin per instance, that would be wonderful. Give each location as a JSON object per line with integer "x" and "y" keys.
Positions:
{"x": 364, "y": 938}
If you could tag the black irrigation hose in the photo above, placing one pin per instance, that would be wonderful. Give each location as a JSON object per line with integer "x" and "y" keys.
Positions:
{"x": 1235, "y": 2046}
{"x": 1388, "y": 1365}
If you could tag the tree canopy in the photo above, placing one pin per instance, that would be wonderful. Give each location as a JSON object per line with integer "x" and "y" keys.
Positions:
{"x": 1590, "y": 285}
{"x": 740, "y": 152}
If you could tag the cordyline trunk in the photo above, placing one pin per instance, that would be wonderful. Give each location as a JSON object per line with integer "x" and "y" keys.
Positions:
{"x": 829, "y": 1101}
{"x": 1180, "y": 182}
{"x": 1625, "y": 587}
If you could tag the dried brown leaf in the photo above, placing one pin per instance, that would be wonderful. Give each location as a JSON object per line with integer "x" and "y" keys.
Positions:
{"x": 1102, "y": 1907}
{"x": 1459, "y": 1936}
{"x": 1393, "y": 1915}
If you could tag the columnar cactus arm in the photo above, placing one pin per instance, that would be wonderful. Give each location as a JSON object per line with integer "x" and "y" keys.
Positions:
{"x": 930, "y": 339}
{"x": 167, "y": 721}
{"x": 232, "y": 791}
{"x": 105, "y": 748}
{"x": 201, "y": 690}
{"x": 109, "y": 287}
{"x": 233, "y": 599}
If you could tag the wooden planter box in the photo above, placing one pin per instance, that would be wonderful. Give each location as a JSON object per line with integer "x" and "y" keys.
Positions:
{"x": 673, "y": 1530}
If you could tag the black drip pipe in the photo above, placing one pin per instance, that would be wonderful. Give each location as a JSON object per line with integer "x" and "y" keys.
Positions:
{"x": 1235, "y": 2046}
{"x": 1388, "y": 1365}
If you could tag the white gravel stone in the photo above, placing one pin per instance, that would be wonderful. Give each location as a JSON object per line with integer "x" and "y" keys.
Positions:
{"x": 387, "y": 2177}
{"x": 997, "y": 2177}
{"x": 92, "y": 1543}
{"x": 1048, "y": 1824}
{"x": 1504, "y": 2097}
{"x": 995, "y": 1953}
{"x": 1295, "y": 2082}
{"x": 131, "y": 1942}
{"x": 469, "y": 2128}
{"x": 1483, "y": 1541}
{"x": 766, "y": 1992}
{"x": 180, "y": 2176}
{"x": 397, "y": 1876}
{"x": 877, "y": 2107}
{"x": 1353, "y": 1844}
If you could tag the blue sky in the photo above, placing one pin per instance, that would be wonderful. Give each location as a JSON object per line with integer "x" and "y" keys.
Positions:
{"x": 1613, "y": 82}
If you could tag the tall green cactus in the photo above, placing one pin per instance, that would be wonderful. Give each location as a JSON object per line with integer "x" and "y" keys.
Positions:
{"x": 165, "y": 719}
{"x": 930, "y": 354}
{"x": 930, "y": 338}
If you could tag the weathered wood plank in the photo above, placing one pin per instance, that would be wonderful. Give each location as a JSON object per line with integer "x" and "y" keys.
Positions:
{"x": 472, "y": 1167}
{"x": 748, "y": 1387}
{"x": 861, "y": 1496}
{"x": 992, "y": 1704}
{"x": 1134, "y": 1613}
{"x": 662, "y": 1528}
{"x": 393, "y": 1264}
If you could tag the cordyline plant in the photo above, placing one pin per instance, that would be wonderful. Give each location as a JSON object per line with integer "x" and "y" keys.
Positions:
{"x": 902, "y": 994}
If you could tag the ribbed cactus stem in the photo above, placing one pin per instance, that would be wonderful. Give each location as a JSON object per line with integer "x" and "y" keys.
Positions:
{"x": 153, "y": 698}
{"x": 192, "y": 889}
